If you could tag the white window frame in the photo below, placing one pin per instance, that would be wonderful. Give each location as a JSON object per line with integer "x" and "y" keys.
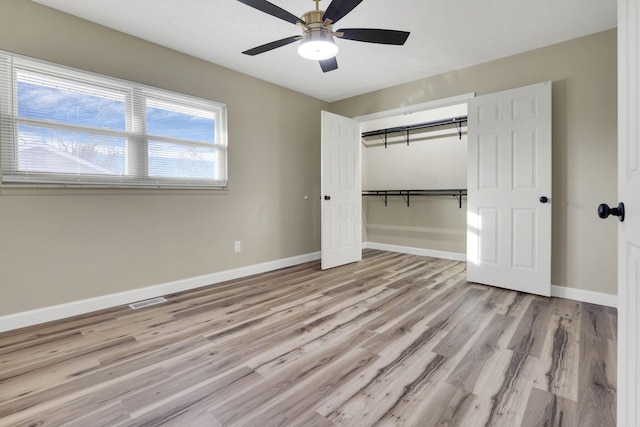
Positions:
{"x": 135, "y": 98}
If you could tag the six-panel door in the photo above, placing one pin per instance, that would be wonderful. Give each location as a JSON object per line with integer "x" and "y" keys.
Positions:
{"x": 509, "y": 189}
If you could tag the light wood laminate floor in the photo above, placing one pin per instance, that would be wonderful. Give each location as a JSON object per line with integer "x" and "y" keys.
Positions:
{"x": 394, "y": 340}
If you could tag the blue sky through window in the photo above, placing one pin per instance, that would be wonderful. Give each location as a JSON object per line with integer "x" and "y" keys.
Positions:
{"x": 165, "y": 122}
{"x": 41, "y": 99}
{"x": 42, "y": 102}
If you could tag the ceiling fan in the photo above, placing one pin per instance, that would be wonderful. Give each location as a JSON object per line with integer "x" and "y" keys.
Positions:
{"x": 317, "y": 41}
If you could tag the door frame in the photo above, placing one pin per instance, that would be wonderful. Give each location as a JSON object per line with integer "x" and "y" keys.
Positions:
{"x": 415, "y": 108}
{"x": 628, "y": 382}
{"x": 409, "y": 109}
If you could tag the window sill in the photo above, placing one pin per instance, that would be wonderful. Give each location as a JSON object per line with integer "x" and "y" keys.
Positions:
{"x": 90, "y": 190}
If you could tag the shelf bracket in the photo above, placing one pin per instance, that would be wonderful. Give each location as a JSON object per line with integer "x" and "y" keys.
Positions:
{"x": 459, "y": 126}
{"x": 406, "y": 199}
{"x": 383, "y": 197}
{"x": 407, "y": 137}
{"x": 459, "y": 197}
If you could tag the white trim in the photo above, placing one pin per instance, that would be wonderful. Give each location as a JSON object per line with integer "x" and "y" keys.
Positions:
{"x": 582, "y": 295}
{"x": 61, "y": 311}
{"x": 429, "y": 105}
{"x": 415, "y": 251}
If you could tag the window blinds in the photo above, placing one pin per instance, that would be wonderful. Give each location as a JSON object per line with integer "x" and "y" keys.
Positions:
{"x": 68, "y": 127}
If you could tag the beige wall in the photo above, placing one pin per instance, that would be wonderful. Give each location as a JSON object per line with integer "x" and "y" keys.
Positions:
{"x": 583, "y": 72}
{"x": 58, "y": 246}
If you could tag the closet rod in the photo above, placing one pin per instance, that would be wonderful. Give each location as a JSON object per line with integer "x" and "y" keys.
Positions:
{"x": 443, "y": 122}
{"x": 458, "y": 193}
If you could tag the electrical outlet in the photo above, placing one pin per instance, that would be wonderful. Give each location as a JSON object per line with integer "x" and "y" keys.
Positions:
{"x": 236, "y": 246}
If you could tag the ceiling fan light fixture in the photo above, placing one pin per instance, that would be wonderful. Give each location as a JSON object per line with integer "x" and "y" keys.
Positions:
{"x": 317, "y": 45}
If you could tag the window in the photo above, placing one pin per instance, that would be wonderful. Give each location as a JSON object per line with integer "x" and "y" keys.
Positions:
{"x": 68, "y": 127}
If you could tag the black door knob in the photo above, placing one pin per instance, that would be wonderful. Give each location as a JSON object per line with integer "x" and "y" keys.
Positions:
{"x": 544, "y": 199}
{"x": 327, "y": 197}
{"x": 604, "y": 211}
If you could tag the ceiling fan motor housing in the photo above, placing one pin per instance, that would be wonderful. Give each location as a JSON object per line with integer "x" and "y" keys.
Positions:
{"x": 316, "y": 33}
{"x": 313, "y": 17}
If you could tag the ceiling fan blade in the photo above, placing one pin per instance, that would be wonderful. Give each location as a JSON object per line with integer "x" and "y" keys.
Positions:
{"x": 270, "y": 46}
{"x": 329, "y": 64}
{"x": 374, "y": 35}
{"x": 273, "y": 10}
{"x": 339, "y": 8}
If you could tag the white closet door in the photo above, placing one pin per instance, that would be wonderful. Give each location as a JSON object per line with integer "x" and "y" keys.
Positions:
{"x": 341, "y": 236}
{"x": 509, "y": 189}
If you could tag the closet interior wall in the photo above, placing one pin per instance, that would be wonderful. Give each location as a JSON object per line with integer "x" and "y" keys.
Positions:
{"x": 435, "y": 158}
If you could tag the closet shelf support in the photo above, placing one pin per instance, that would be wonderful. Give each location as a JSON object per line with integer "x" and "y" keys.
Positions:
{"x": 406, "y": 195}
{"x": 406, "y": 198}
{"x": 457, "y": 121}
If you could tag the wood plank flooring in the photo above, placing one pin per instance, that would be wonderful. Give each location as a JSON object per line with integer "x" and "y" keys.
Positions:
{"x": 394, "y": 340}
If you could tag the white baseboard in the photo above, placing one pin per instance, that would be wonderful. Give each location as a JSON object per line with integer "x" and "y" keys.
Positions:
{"x": 415, "y": 251}
{"x": 61, "y": 311}
{"x": 582, "y": 295}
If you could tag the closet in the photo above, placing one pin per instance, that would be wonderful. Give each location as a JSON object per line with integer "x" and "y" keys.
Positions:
{"x": 414, "y": 179}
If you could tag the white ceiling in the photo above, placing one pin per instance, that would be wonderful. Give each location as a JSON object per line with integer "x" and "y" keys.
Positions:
{"x": 445, "y": 35}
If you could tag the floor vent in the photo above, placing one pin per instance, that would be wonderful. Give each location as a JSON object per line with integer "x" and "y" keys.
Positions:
{"x": 147, "y": 303}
